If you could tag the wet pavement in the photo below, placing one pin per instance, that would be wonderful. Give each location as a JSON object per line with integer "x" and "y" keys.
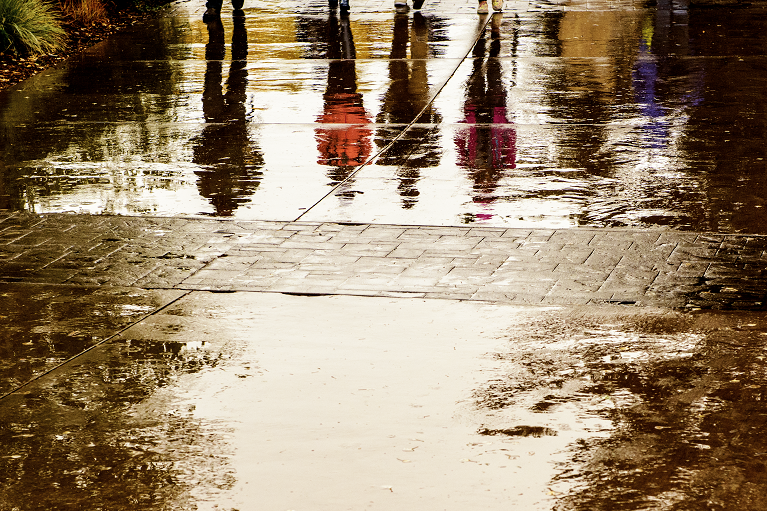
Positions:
{"x": 546, "y": 115}
{"x": 518, "y": 266}
{"x": 426, "y": 260}
{"x": 259, "y": 401}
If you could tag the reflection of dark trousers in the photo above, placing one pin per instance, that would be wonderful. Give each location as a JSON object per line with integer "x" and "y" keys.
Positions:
{"x": 216, "y": 4}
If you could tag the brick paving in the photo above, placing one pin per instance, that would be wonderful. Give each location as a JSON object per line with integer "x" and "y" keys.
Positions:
{"x": 516, "y": 266}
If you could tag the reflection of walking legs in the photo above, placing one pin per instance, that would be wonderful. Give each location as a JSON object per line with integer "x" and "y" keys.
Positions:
{"x": 406, "y": 98}
{"x": 487, "y": 146}
{"x": 213, "y": 10}
{"x": 343, "y": 135}
{"x": 483, "y": 9}
{"x": 229, "y": 163}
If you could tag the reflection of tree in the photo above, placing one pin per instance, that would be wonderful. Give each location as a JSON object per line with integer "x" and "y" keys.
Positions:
{"x": 81, "y": 441}
{"x": 112, "y": 93}
{"x": 488, "y": 146}
{"x": 346, "y": 144}
{"x": 696, "y": 440}
{"x": 233, "y": 164}
{"x": 407, "y": 95}
{"x": 41, "y": 330}
{"x": 684, "y": 396}
{"x": 723, "y": 140}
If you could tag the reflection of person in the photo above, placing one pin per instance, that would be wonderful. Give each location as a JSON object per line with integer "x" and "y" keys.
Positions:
{"x": 408, "y": 94}
{"x": 213, "y": 10}
{"x": 488, "y": 145}
{"x": 231, "y": 163}
{"x": 482, "y": 6}
{"x": 346, "y": 146}
{"x": 344, "y": 6}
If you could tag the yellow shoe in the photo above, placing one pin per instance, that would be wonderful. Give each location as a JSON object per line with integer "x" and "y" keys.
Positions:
{"x": 498, "y": 5}
{"x": 482, "y": 7}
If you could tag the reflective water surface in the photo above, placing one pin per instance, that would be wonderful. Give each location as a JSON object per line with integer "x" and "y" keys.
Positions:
{"x": 259, "y": 401}
{"x": 594, "y": 115}
{"x": 42, "y": 326}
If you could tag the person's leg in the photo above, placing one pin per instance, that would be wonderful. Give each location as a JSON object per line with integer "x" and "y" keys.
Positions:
{"x": 213, "y": 10}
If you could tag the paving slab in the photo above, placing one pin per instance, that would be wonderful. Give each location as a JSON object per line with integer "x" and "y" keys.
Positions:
{"x": 513, "y": 265}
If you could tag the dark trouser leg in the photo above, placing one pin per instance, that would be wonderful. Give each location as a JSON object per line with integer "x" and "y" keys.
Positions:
{"x": 213, "y": 10}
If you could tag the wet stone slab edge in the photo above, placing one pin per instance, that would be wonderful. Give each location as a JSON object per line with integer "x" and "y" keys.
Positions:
{"x": 504, "y": 265}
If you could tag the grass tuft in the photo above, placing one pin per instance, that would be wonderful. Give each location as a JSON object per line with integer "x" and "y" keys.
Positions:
{"x": 30, "y": 27}
{"x": 85, "y": 12}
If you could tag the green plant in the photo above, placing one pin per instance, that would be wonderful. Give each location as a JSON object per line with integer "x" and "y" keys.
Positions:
{"x": 29, "y": 26}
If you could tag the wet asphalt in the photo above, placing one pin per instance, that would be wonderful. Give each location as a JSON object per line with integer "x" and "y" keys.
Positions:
{"x": 426, "y": 260}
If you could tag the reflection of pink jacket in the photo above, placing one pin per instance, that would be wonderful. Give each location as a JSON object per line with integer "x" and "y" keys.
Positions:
{"x": 500, "y": 151}
{"x": 344, "y": 146}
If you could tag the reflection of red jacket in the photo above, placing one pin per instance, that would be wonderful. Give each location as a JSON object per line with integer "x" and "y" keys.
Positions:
{"x": 344, "y": 146}
{"x": 493, "y": 146}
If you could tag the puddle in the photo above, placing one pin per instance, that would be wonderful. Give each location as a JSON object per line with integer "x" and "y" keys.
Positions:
{"x": 557, "y": 118}
{"x": 327, "y": 402}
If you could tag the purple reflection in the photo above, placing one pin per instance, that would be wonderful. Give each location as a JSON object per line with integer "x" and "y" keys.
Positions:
{"x": 488, "y": 146}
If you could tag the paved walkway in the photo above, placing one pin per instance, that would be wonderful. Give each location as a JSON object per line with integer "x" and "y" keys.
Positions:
{"x": 558, "y": 267}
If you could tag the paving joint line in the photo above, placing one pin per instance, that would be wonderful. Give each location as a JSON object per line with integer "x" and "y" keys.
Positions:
{"x": 91, "y": 348}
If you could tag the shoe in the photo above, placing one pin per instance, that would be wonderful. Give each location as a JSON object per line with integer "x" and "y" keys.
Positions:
{"x": 211, "y": 14}
{"x": 400, "y": 6}
{"x": 482, "y": 7}
{"x": 344, "y": 5}
{"x": 333, "y": 4}
{"x": 417, "y": 4}
{"x": 497, "y": 5}
{"x": 237, "y": 4}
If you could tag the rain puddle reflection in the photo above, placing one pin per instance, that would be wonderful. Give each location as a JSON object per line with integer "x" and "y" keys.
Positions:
{"x": 627, "y": 116}
{"x": 662, "y": 410}
{"x": 224, "y": 400}
{"x": 43, "y": 326}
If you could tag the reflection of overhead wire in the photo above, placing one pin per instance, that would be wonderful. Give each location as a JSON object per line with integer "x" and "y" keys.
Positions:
{"x": 402, "y": 133}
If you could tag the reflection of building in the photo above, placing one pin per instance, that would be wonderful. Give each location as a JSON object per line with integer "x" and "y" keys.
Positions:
{"x": 231, "y": 163}
{"x": 487, "y": 147}
{"x": 408, "y": 94}
{"x": 343, "y": 136}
